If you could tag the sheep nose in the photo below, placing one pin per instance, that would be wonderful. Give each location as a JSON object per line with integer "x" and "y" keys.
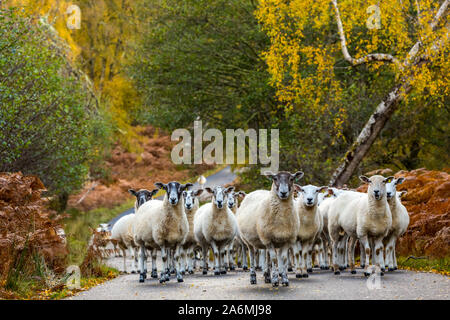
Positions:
{"x": 173, "y": 200}
{"x": 219, "y": 204}
{"x": 377, "y": 192}
{"x": 310, "y": 200}
{"x": 389, "y": 194}
{"x": 284, "y": 194}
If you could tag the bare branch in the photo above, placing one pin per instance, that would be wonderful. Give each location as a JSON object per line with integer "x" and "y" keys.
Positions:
{"x": 368, "y": 58}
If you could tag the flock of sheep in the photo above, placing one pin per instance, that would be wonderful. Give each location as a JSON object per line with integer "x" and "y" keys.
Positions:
{"x": 286, "y": 227}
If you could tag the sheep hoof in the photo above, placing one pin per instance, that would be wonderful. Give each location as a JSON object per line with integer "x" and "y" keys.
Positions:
{"x": 275, "y": 284}
{"x": 286, "y": 283}
{"x": 252, "y": 281}
{"x": 366, "y": 274}
{"x": 310, "y": 270}
{"x": 154, "y": 274}
{"x": 391, "y": 269}
{"x": 327, "y": 268}
{"x": 162, "y": 280}
{"x": 337, "y": 272}
{"x": 142, "y": 278}
{"x": 395, "y": 268}
{"x": 382, "y": 274}
{"x": 180, "y": 280}
{"x": 383, "y": 270}
{"x": 223, "y": 272}
{"x": 316, "y": 266}
{"x": 217, "y": 273}
{"x": 183, "y": 272}
{"x": 232, "y": 268}
{"x": 290, "y": 269}
{"x": 191, "y": 272}
{"x": 245, "y": 268}
{"x": 305, "y": 275}
{"x": 298, "y": 275}
{"x": 353, "y": 272}
{"x": 363, "y": 266}
{"x": 205, "y": 272}
{"x": 348, "y": 266}
{"x": 341, "y": 268}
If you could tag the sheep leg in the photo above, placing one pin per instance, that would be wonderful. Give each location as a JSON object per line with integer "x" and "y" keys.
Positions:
{"x": 133, "y": 252}
{"x": 343, "y": 253}
{"x": 283, "y": 264}
{"x": 231, "y": 251}
{"x": 205, "y": 255}
{"x": 222, "y": 264}
{"x": 364, "y": 241}
{"x": 321, "y": 253}
{"x": 216, "y": 258}
{"x": 309, "y": 261}
{"x": 274, "y": 262}
{"x": 394, "y": 256}
{"x": 190, "y": 259}
{"x": 267, "y": 267}
{"x": 297, "y": 253}
{"x": 142, "y": 275}
{"x": 165, "y": 273}
{"x": 362, "y": 255}
{"x": 154, "y": 274}
{"x": 244, "y": 257}
{"x": 390, "y": 253}
{"x": 124, "y": 250}
{"x": 379, "y": 253}
{"x": 251, "y": 251}
{"x": 351, "y": 254}
{"x": 179, "y": 262}
{"x": 304, "y": 254}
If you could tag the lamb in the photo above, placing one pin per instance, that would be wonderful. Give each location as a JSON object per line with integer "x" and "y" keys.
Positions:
{"x": 311, "y": 224}
{"x": 122, "y": 231}
{"x": 162, "y": 225}
{"x": 215, "y": 225}
{"x": 363, "y": 216}
{"x": 268, "y": 220}
{"x": 191, "y": 206}
{"x": 400, "y": 221}
{"x": 233, "y": 203}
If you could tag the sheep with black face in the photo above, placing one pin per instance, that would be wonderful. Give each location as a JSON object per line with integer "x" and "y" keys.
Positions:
{"x": 163, "y": 225}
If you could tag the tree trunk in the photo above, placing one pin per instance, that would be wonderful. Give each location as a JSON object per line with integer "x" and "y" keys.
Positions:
{"x": 369, "y": 133}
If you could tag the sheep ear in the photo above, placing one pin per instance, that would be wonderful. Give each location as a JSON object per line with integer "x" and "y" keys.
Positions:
{"x": 298, "y": 175}
{"x": 208, "y": 189}
{"x": 364, "y": 179}
{"x": 389, "y": 179}
{"x": 402, "y": 193}
{"x": 198, "y": 192}
{"x": 186, "y": 186}
{"x": 229, "y": 189}
{"x": 298, "y": 188}
{"x": 330, "y": 191}
{"x": 133, "y": 192}
{"x": 242, "y": 194}
{"x": 322, "y": 189}
{"x": 399, "y": 181}
{"x": 161, "y": 185}
{"x": 154, "y": 192}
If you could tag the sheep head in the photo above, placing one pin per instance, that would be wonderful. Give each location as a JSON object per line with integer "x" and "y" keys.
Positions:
{"x": 174, "y": 190}
{"x": 283, "y": 182}
{"x": 142, "y": 196}
{"x": 377, "y": 185}
{"x": 219, "y": 195}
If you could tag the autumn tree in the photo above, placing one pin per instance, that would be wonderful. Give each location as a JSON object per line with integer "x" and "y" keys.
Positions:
{"x": 317, "y": 46}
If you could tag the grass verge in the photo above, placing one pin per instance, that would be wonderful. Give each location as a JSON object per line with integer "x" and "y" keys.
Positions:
{"x": 441, "y": 266}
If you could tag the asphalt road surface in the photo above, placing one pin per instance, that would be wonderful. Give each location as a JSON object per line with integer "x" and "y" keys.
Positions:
{"x": 321, "y": 284}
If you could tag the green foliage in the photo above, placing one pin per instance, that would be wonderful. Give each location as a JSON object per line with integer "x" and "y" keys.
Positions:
{"x": 48, "y": 125}
{"x": 201, "y": 59}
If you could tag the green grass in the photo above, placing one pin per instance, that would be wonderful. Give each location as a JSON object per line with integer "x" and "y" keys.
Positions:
{"x": 431, "y": 265}
{"x": 78, "y": 228}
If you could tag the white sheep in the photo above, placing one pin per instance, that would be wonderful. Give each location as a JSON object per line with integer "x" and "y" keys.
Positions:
{"x": 162, "y": 225}
{"x": 311, "y": 224}
{"x": 366, "y": 217}
{"x": 236, "y": 244}
{"x": 122, "y": 231}
{"x": 215, "y": 225}
{"x": 268, "y": 220}
{"x": 400, "y": 221}
{"x": 191, "y": 205}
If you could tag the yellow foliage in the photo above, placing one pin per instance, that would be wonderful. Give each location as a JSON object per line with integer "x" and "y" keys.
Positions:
{"x": 305, "y": 49}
